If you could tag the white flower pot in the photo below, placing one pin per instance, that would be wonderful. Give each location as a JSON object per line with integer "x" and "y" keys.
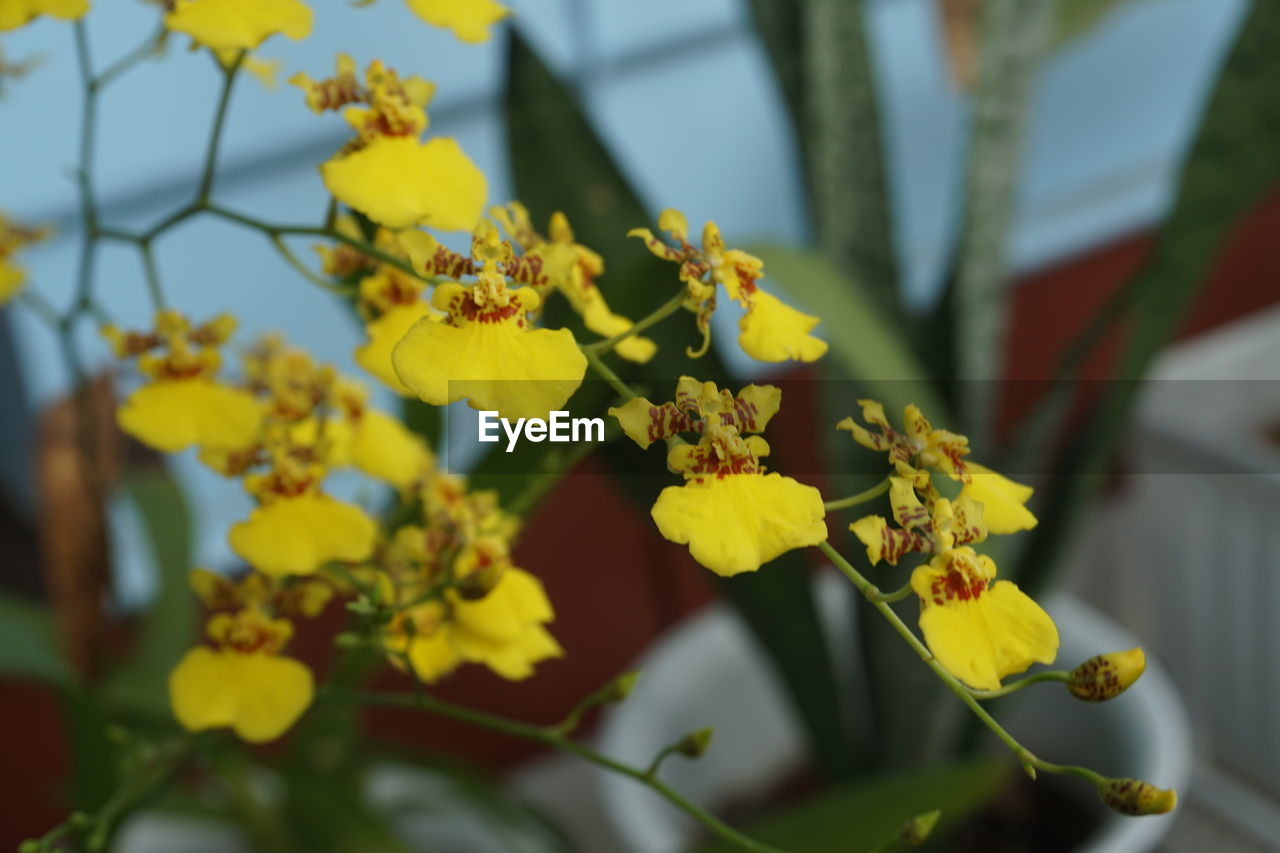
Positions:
{"x": 706, "y": 672}
{"x": 1188, "y": 555}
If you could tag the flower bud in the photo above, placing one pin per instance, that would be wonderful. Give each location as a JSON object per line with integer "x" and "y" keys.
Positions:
{"x": 476, "y": 584}
{"x": 1104, "y": 677}
{"x": 694, "y": 744}
{"x": 917, "y": 830}
{"x": 621, "y": 686}
{"x": 1135, "y": 797}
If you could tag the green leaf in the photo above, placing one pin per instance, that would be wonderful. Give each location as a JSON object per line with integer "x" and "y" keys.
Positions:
{"x": 844, "y": 147}
{"x": 1232, "y": 166}
{"x": 167, "y": 630}
{"x": 95, "y": 770}
{"x": 1077, "y": 17}
{"x": 862, "y": 816}
{"x": 1013, "y": 35}
{"x": 866, "y": 343}
{"x": 559, "y": 163}
{"x": 28, "y": 642}
{"x": 781, "y": 30}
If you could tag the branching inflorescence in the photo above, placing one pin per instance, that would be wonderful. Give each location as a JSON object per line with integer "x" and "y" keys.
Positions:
{"x": 431, "y": 582}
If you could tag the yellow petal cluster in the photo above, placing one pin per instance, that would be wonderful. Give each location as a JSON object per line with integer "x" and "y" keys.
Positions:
{"x": 979, "y": 628}
{"x": 184, "y": 405}
{"x": 573, "y": 270}
{"x": 770, "y": 330}
{"x": 456, "y": 594}
{"x": 733, "y": 516}
{"x": 387, "y": 172}
{"x": 243, "y": 683}
{"x": 486, "y": 350}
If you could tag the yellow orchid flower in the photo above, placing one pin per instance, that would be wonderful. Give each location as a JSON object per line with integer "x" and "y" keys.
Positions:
{"x": 297, "y": 535}
{"x": 486, "y": 351}
{"x": 733, "y": 516}
{"x": 13, "y": 238}
{"x": 390, "y": 300}
{"x": 386, "y": 172}
{"x": 19, "y": 13}
{"x": 980, "y": 630}
{"x": 770, "y": 330}
{"x": 384, "y": 448}
{"x": 922, "y": 447}
{"x": 243, "y": 683}
{"x": 921, "y": 529}
{"x": 184, "y": 405}
{"x": 238, "y": 24}
{"x": 469, "y": 20}
{"x": 505, "y": 631}
{"x": 297, "y": 529}
{"x": 299, "y": 597}
{"x": 574, "y": 270}
{"x": 383, "y": 335}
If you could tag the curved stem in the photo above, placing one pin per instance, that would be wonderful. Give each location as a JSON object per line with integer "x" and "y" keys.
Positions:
{"x": 549, "y": 737}
{"x": 133, "y": 57}
{"x": 898, "y": 594}
{"x": 1029, "y": 761}
{"x": 271, "y": 229}
{"x": 219, "y": 120}
{"x": 1060, "y": 675}
{"x": 303, "y": 270}
{"x": 665, "y": 310}
{"x": 860, "y": 498}
{"x": 152, "y": 274}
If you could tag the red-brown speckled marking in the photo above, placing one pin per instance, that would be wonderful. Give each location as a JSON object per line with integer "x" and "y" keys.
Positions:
{"x": 896, "y": 543}
{"x": 466, "y": 307}
{"x": 1095, "y": 680}
{"x": 451, "y": 264}
{"x": 956, "y": 585}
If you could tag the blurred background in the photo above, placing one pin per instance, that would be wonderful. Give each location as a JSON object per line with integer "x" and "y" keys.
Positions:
{"x": 1180, "y": 551}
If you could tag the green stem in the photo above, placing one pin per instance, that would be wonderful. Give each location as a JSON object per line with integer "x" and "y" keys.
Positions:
{"x": 1029, "y": 761}
{"x": 656, "y": 765}
{"x": 898, "y": 594}
{"x": 860, "y": 498}
{"x": 665, "y": 310}
{"x": 152, "y": 275}
{"x": 133, "y": 57}
{"x": 96, "y": 828}
{"x": 1014, "y": 686}
{"x": 605, "y": 373}
{"x": 303, "y": 270}
{"x": 271, "y": 229}
{"x": 219, "y": 120}
{"x": 514, "y": 728}
{"x": 88, "y": 129}
{"x": 42, "y": 307}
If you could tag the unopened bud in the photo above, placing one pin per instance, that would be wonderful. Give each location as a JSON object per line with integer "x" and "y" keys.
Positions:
{"x": 694, "y": 744}
{"x": 475, "y": 585}
{"x": 362, "y": 606}
{"x": 621, "y": 686}
{"x": 1135, "y": 797}
{"x": 350, "y": 640}
{"x": 1104, "y": 677}
{"x": 31, "y": 845}
{"x": 917, "y": 830}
